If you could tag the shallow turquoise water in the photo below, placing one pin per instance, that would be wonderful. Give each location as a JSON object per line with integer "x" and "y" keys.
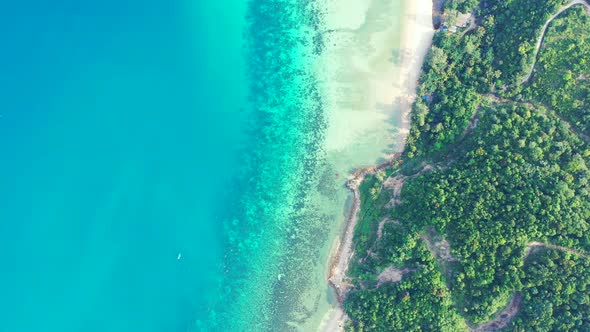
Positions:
{"x": 133, "y": 131}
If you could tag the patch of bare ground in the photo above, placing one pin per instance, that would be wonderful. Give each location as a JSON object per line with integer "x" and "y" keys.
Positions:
{"x": 392, "y": 274}
{"x": 473, "y": 121}
{"x": 502, "y": 318}
{"x": 440, "y": 248}
{"x": 371, "y": 254}
{"x": 395, "y": 184}
{"x": 426, "y": 168}
{"x": 382, "y": 224}
{"x": 529, "y": 250}
{"x": 472, "y": 23}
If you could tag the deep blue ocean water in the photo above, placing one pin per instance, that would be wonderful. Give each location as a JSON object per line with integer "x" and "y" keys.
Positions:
{"x": 135, "y": 132}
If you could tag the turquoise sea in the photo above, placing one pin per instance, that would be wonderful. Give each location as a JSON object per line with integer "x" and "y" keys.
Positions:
{"x": 156, "y": 162}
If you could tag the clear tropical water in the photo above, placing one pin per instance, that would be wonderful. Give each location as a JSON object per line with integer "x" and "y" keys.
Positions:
{"x": 119, "y": 128}
{"x": 164, "y": 166}
{"x": 155, "y": 162}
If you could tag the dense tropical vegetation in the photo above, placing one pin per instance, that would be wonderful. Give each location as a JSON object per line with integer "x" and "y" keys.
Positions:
{"x": 496, "y": 168}
{"x": 556, "y": 291}
{"x": 395, "y": 306}
{"x": 562, "y": 75}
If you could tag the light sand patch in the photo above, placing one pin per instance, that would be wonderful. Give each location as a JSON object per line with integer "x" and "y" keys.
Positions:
{"x": 392, "y": 274}
{"x": 334, "y": 321}
{"x": 439, "y": 247}
{"x": 395, "y": 184}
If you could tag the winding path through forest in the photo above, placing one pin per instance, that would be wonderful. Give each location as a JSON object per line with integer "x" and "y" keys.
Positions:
{"x": 529, "y": 105}
{"x": 505, "y": 316}
{"x": 542, "y": 36}
{"x": 556, "y": 247}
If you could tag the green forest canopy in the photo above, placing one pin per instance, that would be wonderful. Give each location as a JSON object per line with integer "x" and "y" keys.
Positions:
{"x": 512, "y": 169}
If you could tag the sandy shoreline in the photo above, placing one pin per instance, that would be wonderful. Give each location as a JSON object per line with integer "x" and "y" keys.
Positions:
{"x": 398, "y": 84}
{"x": 344, "y": 252}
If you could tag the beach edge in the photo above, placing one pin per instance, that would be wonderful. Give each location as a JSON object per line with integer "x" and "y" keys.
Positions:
{"x": 417, "y": 34}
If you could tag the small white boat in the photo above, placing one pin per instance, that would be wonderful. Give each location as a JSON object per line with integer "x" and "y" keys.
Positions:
{"x": 179, "y": 256}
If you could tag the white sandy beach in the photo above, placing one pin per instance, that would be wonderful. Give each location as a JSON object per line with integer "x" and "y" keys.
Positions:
{"x": 374, "y": 53}
{"x": 375, "y": 50}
